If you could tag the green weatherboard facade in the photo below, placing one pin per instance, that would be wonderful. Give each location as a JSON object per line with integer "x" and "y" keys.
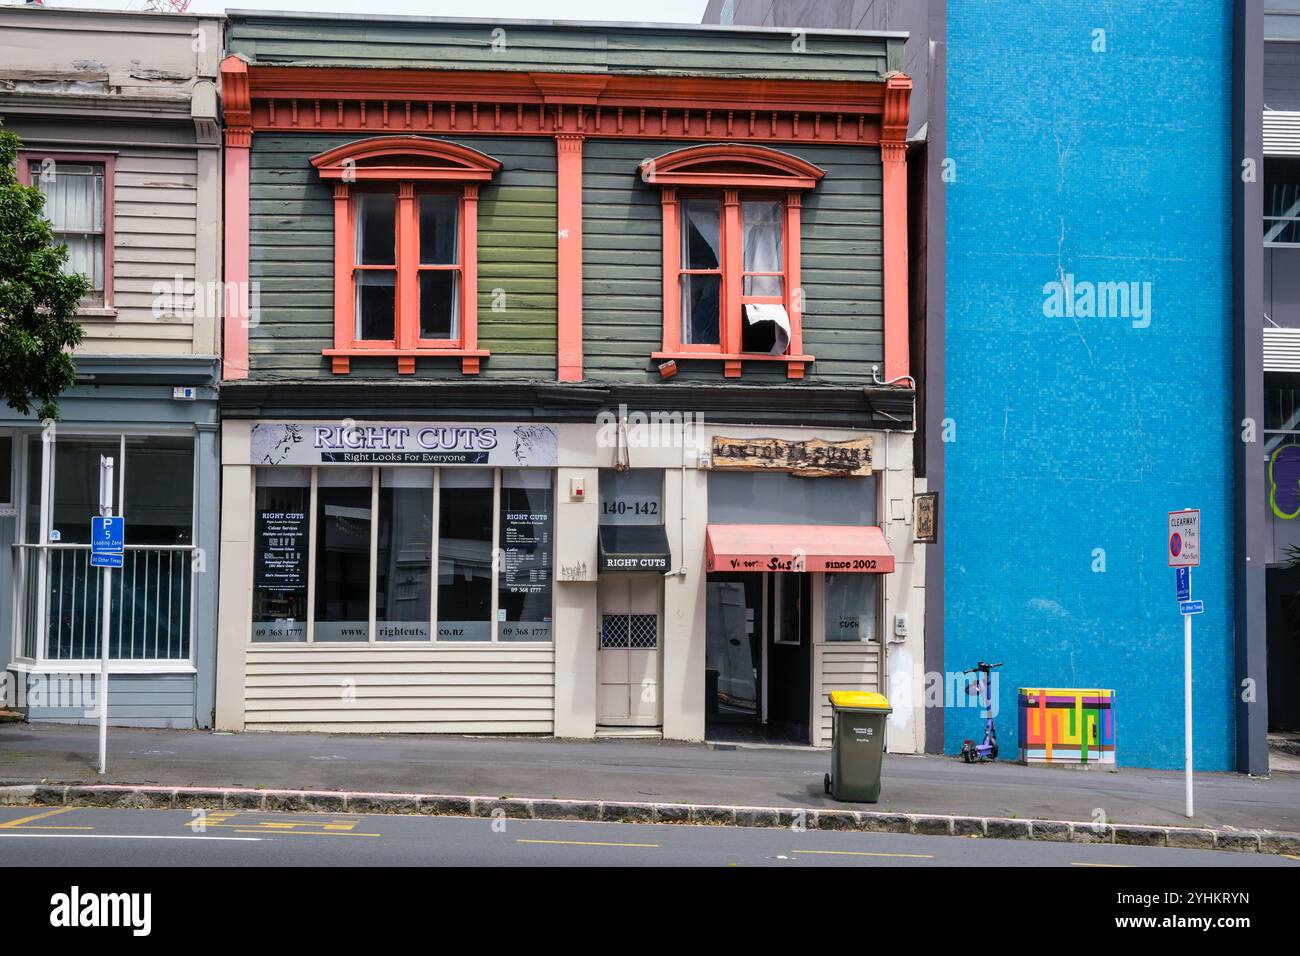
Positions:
{"x": 291, "y": 212}
{"x": 291, "y": 257}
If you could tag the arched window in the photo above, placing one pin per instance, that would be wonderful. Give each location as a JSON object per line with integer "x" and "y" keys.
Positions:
{"x": 731, "y": 285}
{"x": 405, "y": 249}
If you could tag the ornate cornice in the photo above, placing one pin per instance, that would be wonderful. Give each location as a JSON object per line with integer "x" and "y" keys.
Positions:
{"x": 236, "y": 102}
{"x": 893, "y": 122}
{"x": 460, "y": 102}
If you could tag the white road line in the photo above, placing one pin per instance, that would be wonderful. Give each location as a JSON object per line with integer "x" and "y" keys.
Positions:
{"x": 122, "y": 836}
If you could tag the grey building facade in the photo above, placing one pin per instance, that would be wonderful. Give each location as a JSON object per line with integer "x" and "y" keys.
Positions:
{"x": 119, "y": 126}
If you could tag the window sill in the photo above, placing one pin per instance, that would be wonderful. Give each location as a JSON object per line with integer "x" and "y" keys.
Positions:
{"x": 96, "y": 312}
{"x": 92, "y": 666}
{"x": 732, "y": 361}
{"x": 321, "y": 647}
{"x": 341, "y": 359}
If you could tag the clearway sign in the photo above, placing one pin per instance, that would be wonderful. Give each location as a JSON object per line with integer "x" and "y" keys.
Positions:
{"x": 1185, "y": 538}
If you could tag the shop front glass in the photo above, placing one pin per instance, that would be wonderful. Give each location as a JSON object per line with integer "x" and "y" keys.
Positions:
{"x": 150, "y": 597}
{"x": 403, "y": 554}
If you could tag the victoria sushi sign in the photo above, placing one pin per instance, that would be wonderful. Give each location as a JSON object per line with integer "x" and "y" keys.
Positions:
{"x": 404, "y": 443}
{"x": 813, "y": 458}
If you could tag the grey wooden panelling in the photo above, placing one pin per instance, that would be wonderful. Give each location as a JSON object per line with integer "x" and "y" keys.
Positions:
{"x": 135, "y": 700}
{"x": 567, "y": 48}
{"x": 291, "y": 255}
{"x": 623, "y": 262}
{"x": 848, "y": 665}
{"x": 154, "y": 198}
{"x": 433, "y": 689}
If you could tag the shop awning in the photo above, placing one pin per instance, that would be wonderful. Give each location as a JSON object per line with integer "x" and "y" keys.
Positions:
{"x": 797, "y": 547}
{"x": 634, "y": 547}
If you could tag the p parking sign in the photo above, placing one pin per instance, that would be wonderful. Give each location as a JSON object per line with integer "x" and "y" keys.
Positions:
{"x": 1185, "y": 538}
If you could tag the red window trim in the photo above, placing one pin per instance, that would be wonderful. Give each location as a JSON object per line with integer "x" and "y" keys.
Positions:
{"x": 450, "y": 166}
{"x": 108, "y": 160}
{"x": 739, "y": 172}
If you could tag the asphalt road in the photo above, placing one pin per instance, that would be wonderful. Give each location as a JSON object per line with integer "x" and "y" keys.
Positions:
{"x": 631, "y": 770}
{"x": 90, "y": 837}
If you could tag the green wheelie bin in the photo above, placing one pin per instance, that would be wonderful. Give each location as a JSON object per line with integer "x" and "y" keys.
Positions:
{"x": 857, "y": 744}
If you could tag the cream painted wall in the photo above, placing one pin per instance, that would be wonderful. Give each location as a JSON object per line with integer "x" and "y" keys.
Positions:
{"x": 583, "y": 451}
{"x": 234, "y": 615}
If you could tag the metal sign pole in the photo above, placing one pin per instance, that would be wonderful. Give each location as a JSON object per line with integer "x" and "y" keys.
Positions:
{"x": 1187, "y": 708}
{"x": 1185, "y": 554}
{"x": 105, "y": 510}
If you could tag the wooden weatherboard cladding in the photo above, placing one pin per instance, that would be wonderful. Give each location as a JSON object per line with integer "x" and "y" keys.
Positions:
{"x": 291, "y": 253}
{"x": 622, "y": 270}
{"x": 813, "y": 458}
{"x": 604, "y": 98}
{"x": 411, "y": 43}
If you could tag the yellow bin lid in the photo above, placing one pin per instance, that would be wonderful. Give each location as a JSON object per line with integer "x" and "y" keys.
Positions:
{"x": 859, "y": 699}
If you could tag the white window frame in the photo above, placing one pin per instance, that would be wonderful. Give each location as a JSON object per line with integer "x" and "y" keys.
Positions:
{"x": 493, "y": 641}
{"x": 41, "y": 663}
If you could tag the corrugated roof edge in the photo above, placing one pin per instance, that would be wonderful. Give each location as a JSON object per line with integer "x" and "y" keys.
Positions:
{"x": 566, "y": 24}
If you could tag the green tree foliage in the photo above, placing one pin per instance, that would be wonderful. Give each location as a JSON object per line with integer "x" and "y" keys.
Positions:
{"x": 38, "y": 302}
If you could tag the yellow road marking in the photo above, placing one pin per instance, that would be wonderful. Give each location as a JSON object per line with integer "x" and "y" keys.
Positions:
{"x": 1127, "y": 866}
{"x": 588, "y": 843}
{"x": 906, "y": 856}
{"x": 1288, "y": 856}
{"x": 15, "y": 824}
{"x": 304, "y": 832}
{"x": 332, "y": 826}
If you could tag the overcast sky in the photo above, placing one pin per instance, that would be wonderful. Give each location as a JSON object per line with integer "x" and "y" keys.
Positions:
{"x": 658, "y": 11}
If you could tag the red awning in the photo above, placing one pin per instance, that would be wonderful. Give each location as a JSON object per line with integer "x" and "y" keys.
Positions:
{"x": 797, "y": 547}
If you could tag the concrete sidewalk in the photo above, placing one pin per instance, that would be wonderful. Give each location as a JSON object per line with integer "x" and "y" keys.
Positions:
{"x": 634, "y": 771}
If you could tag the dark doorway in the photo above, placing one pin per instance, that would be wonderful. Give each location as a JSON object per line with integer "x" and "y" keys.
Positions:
{"x": 789, "y": 654}
{"x": 733, "y": 649}
{"x": 1283, "y": 588}
{"x": 758, "y": 658}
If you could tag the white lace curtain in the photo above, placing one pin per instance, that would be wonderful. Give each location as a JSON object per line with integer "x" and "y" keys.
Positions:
{"x": 74, "y": 204}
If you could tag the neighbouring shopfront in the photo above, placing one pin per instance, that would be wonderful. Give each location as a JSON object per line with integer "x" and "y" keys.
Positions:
{"x": 161, "y": 616}
{"x": 524, "y": 577}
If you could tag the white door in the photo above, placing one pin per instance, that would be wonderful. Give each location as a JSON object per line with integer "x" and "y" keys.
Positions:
{"x": 628, "y": 656}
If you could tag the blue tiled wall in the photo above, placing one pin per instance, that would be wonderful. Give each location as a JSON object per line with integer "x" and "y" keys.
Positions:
{"x": 1077, "y": 434}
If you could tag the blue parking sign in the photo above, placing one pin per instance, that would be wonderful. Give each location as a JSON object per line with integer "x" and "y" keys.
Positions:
{"x": 107, "y": 535}
{"x": 106, "y": 559}
{"x": 1183, "y": 582}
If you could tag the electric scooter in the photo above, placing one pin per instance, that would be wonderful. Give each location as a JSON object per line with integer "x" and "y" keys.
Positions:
{"x": 987, "y": 749}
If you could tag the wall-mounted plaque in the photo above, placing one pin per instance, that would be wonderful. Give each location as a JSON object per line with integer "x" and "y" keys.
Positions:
{"x": 812, "y": 458}
{"x": 926, "y": 515}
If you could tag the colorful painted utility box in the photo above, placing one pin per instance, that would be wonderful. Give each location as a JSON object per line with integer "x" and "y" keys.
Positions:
{"x": 1063, "y": 725}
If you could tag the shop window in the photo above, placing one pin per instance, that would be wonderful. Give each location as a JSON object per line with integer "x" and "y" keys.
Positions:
{"x": 465, "y": 512}
{"x": 1281, "y": 202}
{"x": 792, "y": 598}
{"x": 75, "y": 498}
{"x": 403, "y": 576}
{"x": 283, "y": 502}
{"x": 405, "y": 250}
{"x": 743, "y": 497}
{"x": 78, "y": 191}
{"x": 632, "y": 497}
{"x": 150, "y": 597}
{"x": 6, "y": 471}
{"x": 524, "y": 590}
{"x": 343, "y": 516}
{"x": 400, "y": 549}
{"x": 731, "y": 247}
{"x": 159, "y": 495}
{"x": 851, "y": 607}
